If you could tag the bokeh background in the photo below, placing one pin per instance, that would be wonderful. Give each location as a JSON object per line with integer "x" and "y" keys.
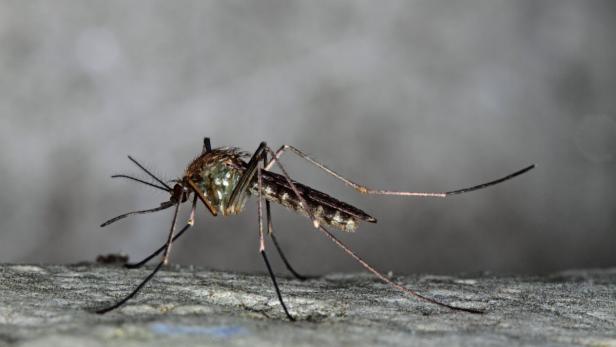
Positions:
{"x": 402, "y": 95}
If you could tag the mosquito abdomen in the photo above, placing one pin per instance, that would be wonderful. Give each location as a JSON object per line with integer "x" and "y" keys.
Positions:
{"x": 326, "y": 209}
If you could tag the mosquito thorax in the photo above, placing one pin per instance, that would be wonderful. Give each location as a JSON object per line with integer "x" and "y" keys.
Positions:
{"x": 216, "y": 174}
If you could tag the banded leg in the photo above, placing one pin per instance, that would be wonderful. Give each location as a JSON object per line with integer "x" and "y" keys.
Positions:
{"x": 360, "y": 260}
{"x": 365, "y": 190}
{"x": 162, "y": 262}
{"x": 262, "y": 246}
{"x": 191, "y": 222}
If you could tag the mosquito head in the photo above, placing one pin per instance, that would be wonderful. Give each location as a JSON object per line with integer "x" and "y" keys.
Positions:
{"x": 179, "y": 193}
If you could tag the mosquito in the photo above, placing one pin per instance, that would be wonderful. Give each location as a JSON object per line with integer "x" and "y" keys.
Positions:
{"x": 223, "y": 180}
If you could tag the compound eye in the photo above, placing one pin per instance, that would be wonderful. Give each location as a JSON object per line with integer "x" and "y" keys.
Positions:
{"x": 178, "y": 192}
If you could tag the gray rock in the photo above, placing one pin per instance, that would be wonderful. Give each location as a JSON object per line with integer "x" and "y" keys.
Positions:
{"x": 51, "y": 305}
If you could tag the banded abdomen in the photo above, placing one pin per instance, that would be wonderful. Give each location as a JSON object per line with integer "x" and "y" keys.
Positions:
{"x": 327, "y": 210}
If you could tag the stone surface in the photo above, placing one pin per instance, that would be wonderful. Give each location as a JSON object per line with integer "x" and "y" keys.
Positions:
{"x": 44, "y": 305}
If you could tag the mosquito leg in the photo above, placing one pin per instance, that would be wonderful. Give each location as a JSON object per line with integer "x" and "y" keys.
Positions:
{"x": 133, "y": 293}
{"x": 165, "y": 258}
{"x": 387, "y": 280}
{"x": 262, "y": 246}
{"x": 260, "y": 210}
{"x": 157, "y": 252}
{"x": 241, "y": 188}
{"x": 162, "y": 262}
{"x": 286, "y": 262}
{"x": 360, "y": 260}
{"x": 270, "y": 232}
{"x": 269, "y": 269}
{"x": 365, "y": 190}
{"x": 191, "y": 222}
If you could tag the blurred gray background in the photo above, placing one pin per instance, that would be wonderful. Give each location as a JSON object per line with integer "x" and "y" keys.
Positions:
{"x": 402, "y": 95}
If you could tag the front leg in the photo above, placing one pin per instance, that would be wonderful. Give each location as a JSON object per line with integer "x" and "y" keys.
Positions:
{"x": 163, "y": 261}
{"x": 190, "y": 223}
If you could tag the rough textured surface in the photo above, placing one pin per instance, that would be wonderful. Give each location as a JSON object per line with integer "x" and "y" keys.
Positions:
{"x": 44, "y": 305}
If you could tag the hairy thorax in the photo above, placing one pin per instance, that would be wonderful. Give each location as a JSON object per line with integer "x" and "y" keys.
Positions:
{"x": 216, "y": 174}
